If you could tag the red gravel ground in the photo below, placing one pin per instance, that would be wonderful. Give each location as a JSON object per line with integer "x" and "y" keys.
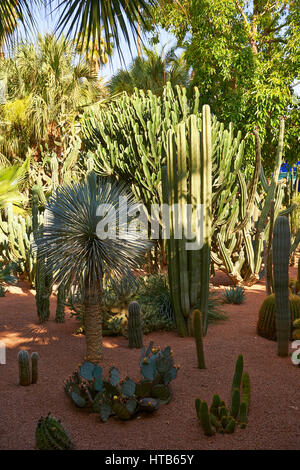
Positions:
{"x": 274, "y": 416}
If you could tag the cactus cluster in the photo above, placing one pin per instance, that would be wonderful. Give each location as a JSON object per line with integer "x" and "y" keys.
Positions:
{"x": 25, "y": 377}
{"x": 266, "y": 325}
{"x": 218, "y": 417}
{"x": 51, "y": 435}
{"x": 124, "y": 398}
{"x": 234, "y": 295}
{"x": 189, "y": 269}
{"x": 16, "y": 242}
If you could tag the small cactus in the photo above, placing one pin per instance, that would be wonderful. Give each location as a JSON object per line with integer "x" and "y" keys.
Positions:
{"x": 34, "y": 367}
{"x": 197, "y": 327}
{"x": 24, "y": 368}
{"x": 51, "y": 435}
{"x": 135, "y": 334}
{"x": 206, "y": 420}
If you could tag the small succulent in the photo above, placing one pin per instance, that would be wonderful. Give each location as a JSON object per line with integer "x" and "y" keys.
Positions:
{"x": 234, "y": 295}
{"x": 51, "y": 435}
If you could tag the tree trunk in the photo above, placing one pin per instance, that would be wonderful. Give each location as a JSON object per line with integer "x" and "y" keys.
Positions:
{"x": 93, "y": 329}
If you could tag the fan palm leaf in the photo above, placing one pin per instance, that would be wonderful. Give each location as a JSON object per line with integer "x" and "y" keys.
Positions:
{"x": 78, "y": 256}
{"x": 85, "y": 19}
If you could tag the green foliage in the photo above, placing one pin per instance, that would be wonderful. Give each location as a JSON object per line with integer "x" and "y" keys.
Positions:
{"x": 151, "y": 72}
{"x": 266, "y": 324}
{"x": 245, "y": 60}
{"x": 234, "y": 295}
{"x": 124, "y": 398}
{"x": 219, "y": 418}
{"x": 51, "y": 435}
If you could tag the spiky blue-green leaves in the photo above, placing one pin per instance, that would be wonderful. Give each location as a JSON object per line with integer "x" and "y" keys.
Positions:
{"x": 234, "y": 295}
{"x": 86, "y": 233}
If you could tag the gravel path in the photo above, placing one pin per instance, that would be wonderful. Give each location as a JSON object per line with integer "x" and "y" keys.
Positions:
{"x": 274, "y": 418}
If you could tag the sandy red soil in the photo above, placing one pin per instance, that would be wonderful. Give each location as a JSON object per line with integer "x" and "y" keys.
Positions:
{"x": 274, "y": 415}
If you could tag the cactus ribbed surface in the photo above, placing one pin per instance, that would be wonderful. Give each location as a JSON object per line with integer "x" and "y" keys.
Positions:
{"x": 189, "y": 268}
{"x": 60, "y": 305}
{"x": 42, "y": 280}
{"x": 34, "y": 367}
{"x": 266, "y": 325}
{"x": 281, "y": 253}
{"x": 135, "y": 333}
{"x": 197, "y": 326}
{"x": 24, "y": 368}
{"x": 51, "y": 435}
{"x": 206, "y": 420}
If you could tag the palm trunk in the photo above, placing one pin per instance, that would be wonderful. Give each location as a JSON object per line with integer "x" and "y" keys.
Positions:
{"x": 93, "y": 329}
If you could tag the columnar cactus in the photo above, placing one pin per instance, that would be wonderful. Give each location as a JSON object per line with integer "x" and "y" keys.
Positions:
{"x": 281, "y": 253}
{"x": 51, "y": 435}
{"x": 135, "y": 333}
{"x": 34, "y": 367}
{"x": 197, "y": 324}
{"x": 189, "y": 269}
{"x": 60, "y": 306}
{"x": 24, "y": 368}
{"x": 42, "y": 279}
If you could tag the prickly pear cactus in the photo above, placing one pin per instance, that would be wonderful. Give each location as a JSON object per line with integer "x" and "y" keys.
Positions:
{"x": 51, "y": 435}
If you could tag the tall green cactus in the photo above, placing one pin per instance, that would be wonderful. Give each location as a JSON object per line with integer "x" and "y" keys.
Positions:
{"x": 135, "y": 333}
{"x": 281, "y": 253}
{"x": 60, "y": 304}
{"x": 34, "y": 367}
{"x": 42, "y": 287}
{"x": 189, "y": 269}
{"x": 197, "y": 327}
{"x": 24, "y": 368}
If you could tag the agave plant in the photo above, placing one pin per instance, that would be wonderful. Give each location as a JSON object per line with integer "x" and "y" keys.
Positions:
{"x": 78, "y": 255}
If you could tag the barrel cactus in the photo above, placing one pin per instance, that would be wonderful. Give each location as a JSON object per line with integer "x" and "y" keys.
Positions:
{"x": 135, "y": 334}
{"x": 51, "y": 435}
{"x": 281, "y": 254}
{"x": 266, "y": 325}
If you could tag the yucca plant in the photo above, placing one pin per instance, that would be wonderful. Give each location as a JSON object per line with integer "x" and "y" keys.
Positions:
{"x": 234, "y": 295}
{"x": 78, "y": 255}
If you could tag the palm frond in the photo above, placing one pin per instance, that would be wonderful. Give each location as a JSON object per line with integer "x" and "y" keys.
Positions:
{"x": 85, "y": 19}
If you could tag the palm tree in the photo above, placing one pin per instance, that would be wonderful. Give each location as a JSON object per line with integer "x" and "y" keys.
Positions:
{"x": 85, "y": 17}
{"x": 78, "y": 256}
{"x": 45, "y": 81}
{"x": 10, "y": 179}
{"x": 152, "y": 73}
{"x": 95, "y": 53}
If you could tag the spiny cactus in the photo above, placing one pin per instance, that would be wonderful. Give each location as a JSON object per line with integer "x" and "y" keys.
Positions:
{"x": 42, "y": 281}
{"x": 60, "y": 307}
{"x": 281, "y": 253}
{"x": 197, "y": 327}
{"x": 221, "y": 419}
{"x": 51, "y": 435}
{"x": 135, "y": 334}
{"x": 24, "y": 368}
{"x": 296, "y": 329}
{"x": 266, "y": 324}
{"x": 234, "y": 295}
{"x": 34, "y": 367}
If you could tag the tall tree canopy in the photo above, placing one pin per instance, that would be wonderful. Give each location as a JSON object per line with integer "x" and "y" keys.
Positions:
{"x": 245, "y": 59}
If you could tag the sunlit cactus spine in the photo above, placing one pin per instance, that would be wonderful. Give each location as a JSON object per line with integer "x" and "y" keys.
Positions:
{"x": 135, "y": 333}
{"x": 24, "y": 368}
{"x": 34, "y": 367}
{"x": 281, "y": 253}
